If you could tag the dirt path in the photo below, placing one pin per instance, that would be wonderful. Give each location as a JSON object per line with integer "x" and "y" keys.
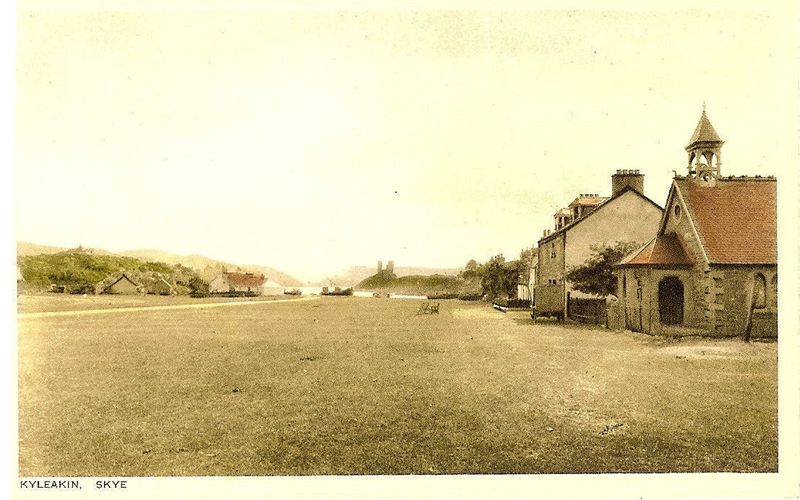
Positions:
{"x": 205, "y": 305}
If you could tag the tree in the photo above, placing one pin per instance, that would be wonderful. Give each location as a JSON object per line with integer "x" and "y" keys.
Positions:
{"x": 471, "y": 270}
{"x": 596, "y": 275}
{"x": 525, "y": 258}
{"x": 197, "y": 286}
{"x": 499, "y": 278}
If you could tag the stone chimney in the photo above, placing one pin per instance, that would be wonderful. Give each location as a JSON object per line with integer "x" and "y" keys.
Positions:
{"x": 625, "y": 178}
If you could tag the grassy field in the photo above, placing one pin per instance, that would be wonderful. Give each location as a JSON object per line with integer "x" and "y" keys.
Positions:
{"x": 54, "y": 302}
{"x": 351, "y": 385}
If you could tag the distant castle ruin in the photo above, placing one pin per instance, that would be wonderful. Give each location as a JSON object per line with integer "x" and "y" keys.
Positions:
{"x": 389, "y": 267}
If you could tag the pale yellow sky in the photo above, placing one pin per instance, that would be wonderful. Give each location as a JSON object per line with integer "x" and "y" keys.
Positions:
{"x": 315, "y": 140}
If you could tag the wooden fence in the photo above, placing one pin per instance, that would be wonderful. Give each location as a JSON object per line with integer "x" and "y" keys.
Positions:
{"x": 587, "y": 310}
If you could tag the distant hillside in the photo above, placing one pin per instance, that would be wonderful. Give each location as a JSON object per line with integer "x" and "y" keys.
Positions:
{"x": 85, "y": 271}
{"x": 25, "y": 248}
{"x": 432, "y": 285}
{"x": 356, "y": 274}
{"x": 208, "y": 268}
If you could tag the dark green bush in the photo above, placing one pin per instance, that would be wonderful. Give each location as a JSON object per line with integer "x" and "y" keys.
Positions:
{"x": 514, "y": 303}
{"x": 80, "y": 288}
{"x": 470, "y": 296}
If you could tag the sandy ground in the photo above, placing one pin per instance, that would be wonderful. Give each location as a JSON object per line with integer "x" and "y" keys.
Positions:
{"x": 129, "y": 309}
{"x": 347, "y": 385}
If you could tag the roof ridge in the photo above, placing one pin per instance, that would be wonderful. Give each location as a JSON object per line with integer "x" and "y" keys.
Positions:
{"x": 755, "y": 178}
{"x": 598, "y": 206}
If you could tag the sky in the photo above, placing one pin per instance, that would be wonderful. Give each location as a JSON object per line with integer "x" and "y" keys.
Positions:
{"x": 312, "y": 140}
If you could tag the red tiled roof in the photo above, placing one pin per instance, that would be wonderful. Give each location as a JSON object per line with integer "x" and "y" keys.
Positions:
{"x": 245, "y": 279}
{"x": 736, "y": 219}
{"x": 663, "y": 250}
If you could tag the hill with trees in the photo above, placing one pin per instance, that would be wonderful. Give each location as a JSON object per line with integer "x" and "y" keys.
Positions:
{"x": 203, "y": 267}
{"x": 495, "y": 279}
{"x": 356, "y": 274}
{"x": 84, "y": 271}
{"x": 435, "y": 285}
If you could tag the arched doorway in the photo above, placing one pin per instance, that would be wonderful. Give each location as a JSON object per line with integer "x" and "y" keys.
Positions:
{"x": 670, "y": 301}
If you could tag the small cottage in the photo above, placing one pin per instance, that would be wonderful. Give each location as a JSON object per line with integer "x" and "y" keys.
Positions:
{"x": 238, "y": 283}
{"x": 121, "y": 286}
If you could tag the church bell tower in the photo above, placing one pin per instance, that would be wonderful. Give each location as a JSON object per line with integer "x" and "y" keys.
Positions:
{"x": 704, "y": 150}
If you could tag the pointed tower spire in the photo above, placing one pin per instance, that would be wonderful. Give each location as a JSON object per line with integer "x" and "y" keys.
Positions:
{"x": 704, "y": 150}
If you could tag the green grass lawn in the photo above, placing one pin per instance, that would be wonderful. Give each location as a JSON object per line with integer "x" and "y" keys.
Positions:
{"x": 347, "y": 385}
{"x": 55, "y": 302}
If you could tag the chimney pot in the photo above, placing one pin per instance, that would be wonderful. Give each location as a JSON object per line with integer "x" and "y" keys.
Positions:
{"x": 627, "y": 178}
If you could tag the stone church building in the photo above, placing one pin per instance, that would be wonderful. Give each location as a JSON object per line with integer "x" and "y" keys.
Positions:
{"x": 712, "y": 267}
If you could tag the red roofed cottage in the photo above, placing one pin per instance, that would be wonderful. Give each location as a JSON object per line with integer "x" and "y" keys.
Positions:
{"x": 237, "y": 283}
{"x": 712, "y": 267}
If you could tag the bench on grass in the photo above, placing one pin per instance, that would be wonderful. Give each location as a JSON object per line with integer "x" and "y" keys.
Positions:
{"x": 428, "y": 308}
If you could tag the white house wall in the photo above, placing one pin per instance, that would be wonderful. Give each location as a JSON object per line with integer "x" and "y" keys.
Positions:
{"x": 626, "y": 218}
{"x": 218, "y": 285}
